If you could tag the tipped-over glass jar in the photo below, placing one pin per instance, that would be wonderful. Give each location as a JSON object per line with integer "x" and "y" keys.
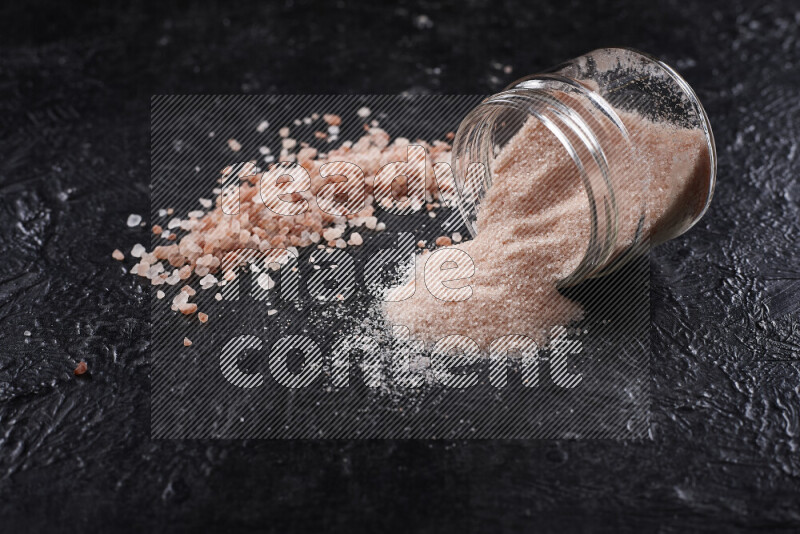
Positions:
{"x": 635, "y": 136}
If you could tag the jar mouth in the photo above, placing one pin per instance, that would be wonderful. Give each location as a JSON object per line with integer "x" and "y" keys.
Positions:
{"x": 584, "y": 128}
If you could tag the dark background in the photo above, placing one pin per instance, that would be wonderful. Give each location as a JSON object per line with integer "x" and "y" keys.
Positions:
{"x": 75, "y": 455}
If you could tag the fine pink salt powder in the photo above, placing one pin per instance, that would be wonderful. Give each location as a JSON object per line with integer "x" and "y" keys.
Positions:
{"x": 534, "y": 229}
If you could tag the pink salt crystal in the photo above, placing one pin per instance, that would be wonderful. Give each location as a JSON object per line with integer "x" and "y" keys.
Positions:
{"x": 188, "y": 308}
{"x": 355, "y": 239}
{"x": 118, "y": 255}
{"x": 189, "y": 290}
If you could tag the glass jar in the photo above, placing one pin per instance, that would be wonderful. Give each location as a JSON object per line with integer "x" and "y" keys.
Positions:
{"x": 601, "y": 107}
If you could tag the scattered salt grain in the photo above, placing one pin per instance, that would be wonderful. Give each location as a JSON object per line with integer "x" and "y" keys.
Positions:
{"x": 118, "y": 255}
{"x": 262, "y": 126}
{"x": 160, "y": 294}
{"x": 457, "y": 237}
{"x": 208, "y": 281}
{"x": 332, "y": 120}
{"x": 189, "y": 290}
{"x": 265, "y": 282}
{"x": 137, "y": 250}
{"x": 202, "y": 317}
{"x": 134, "y": 220}
{"x": 364, "y": 112}
{"x": 81, "y": 369}
{"x": 234, "y": 145}
{"x": 187, "y": 342}
{"x": 284, "y": 132}
{"x": 188, "y": 308}
{"x": 355, "y": 239}
{"x": 206, "y": 202}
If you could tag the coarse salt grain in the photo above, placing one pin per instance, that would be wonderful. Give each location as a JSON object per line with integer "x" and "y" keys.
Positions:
{"x": 118, "y": 255}
{"x": 355, "y": 239}
{"x": 262, "y": 126}
{"x": 134, "y": 220}
{"x": 332, "y": 120}
{"x": 265, "y": 282}
{"x": 187, "y": 342}
{"x": 234, "y": 145}
{"x": 188, "y": 308}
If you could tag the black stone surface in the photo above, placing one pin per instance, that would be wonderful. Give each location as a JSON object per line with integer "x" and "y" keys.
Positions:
{"x": 75, "y": 454}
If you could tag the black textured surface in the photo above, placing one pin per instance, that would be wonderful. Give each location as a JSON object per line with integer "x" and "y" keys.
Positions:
{"x": 75, "y": 453}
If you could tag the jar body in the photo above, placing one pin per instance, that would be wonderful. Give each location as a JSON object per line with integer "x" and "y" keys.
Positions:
{"x": 613, "y": 112}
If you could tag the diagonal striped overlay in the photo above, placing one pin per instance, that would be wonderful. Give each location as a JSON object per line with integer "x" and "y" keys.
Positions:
{"x": 296, "y": 347}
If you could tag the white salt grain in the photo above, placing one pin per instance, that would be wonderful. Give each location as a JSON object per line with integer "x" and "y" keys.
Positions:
{"x": 355, "y": 239}
{"x": 134, "y": 220}
{"x": 265, "y": 282}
